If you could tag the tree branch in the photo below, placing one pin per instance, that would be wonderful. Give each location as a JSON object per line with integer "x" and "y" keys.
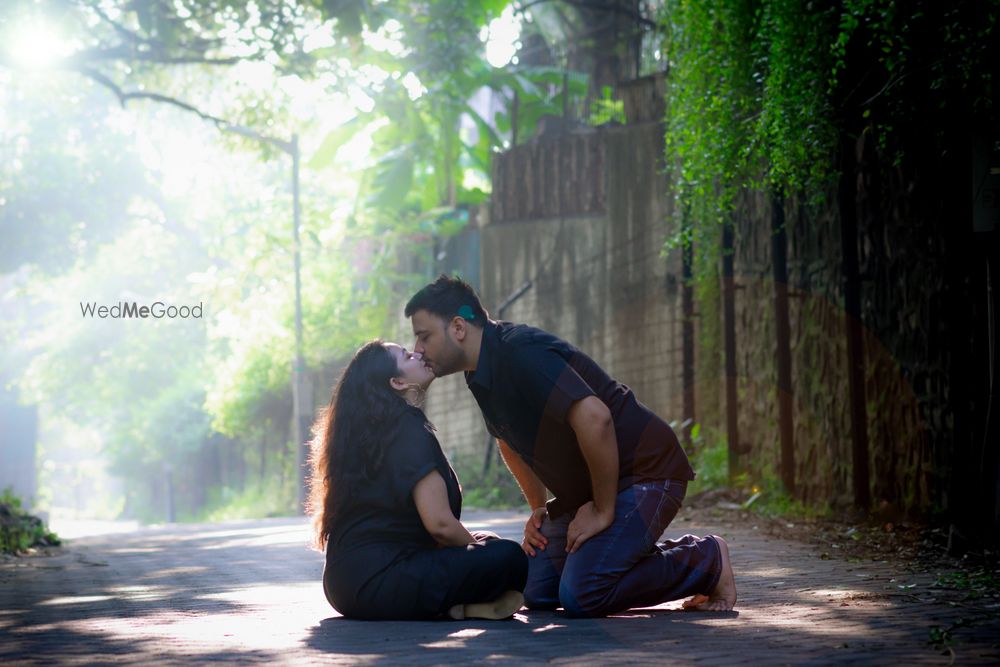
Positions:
{"x": 223, "y": 124}
{"x": 130, "y": 35}
{"x": 128, "y": 53}
{"x": 158, "y": 48}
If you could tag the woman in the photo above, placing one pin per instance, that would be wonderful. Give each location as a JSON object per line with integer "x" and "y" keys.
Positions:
{"x": 386, "y": 504}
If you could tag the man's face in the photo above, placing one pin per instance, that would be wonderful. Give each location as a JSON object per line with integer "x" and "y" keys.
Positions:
{"x": 440, "y": 352}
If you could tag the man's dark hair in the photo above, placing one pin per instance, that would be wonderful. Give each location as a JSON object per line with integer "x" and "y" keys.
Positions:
{"x": 447, "y": 298}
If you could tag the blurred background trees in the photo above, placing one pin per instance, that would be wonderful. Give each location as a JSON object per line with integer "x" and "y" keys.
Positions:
{"x": 131, "y": 172}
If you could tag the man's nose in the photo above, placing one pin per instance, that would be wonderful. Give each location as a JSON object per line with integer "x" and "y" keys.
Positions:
{"x": 418, "y": 348}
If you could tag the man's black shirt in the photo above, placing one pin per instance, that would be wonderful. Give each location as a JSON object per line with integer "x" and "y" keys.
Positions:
{"x": 525, "y": 382}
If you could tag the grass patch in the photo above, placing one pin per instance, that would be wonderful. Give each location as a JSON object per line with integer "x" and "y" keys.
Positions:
{"x": 710, "y": 459}
{"x": 20, "y": 531}
{"x": 760, "y": 491}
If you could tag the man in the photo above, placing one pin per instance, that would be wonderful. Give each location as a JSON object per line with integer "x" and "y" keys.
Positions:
{"x": 616, "y": 470}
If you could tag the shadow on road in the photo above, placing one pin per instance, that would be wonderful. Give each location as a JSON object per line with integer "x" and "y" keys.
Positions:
{"x": 530, "y": 636}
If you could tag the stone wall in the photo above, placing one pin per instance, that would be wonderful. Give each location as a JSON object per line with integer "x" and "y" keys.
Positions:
{"x": 907, "y": 340}
{"x": 821, "y": 423}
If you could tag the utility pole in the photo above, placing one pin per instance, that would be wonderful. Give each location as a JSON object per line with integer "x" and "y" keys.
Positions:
{"x": 301, "y": 394}
{"x": 301, "y": 389}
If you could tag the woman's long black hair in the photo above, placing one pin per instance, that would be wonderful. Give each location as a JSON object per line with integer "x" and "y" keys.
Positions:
{"x": 350, "y": 435}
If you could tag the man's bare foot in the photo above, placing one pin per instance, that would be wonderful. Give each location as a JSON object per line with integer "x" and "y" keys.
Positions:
{"x": 723, "y": 597}
{"x": 694, "y": 600}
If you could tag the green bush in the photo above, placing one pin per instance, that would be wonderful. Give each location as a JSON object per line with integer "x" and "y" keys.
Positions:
{"x": 758, "y": 489}
{"x": 492, "y": 489}
{"x": 709, "y": 456}
{"x": 274, "y": 498}
{"x": 19, "y": 531}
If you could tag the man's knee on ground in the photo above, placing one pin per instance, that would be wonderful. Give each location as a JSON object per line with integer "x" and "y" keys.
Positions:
{"x": 541, "y": 594}
{"x": 539, "y": 603}
{"x": 582, "y": 600}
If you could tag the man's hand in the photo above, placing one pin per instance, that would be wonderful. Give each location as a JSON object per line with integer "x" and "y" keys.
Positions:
{"x": 587, "y": 523}
{"x": 533, "y": 538}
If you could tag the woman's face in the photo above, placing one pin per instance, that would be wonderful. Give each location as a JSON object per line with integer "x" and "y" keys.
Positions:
{"x": 412, "y": 369}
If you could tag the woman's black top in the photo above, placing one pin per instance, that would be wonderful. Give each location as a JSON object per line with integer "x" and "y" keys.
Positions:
{"x": 379, "y": 523}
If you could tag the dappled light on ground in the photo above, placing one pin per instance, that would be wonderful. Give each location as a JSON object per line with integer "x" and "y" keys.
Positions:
{"x": 252, "y": 592}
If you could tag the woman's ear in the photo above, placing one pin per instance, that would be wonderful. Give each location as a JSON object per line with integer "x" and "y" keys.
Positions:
{"x": 398, "y": 384}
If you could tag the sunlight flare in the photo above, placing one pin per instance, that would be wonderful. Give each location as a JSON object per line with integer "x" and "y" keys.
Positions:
{"x": 36, "y": 44}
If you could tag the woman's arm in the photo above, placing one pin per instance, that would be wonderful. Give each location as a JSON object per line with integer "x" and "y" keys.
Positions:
{"x": 431, "y": 498}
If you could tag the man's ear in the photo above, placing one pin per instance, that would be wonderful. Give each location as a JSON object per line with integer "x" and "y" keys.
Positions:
{"x": 459, "y": 328}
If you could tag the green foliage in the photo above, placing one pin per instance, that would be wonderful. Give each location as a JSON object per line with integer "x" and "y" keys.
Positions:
{"x": 977, "y": 582}
{"x": 710, "y": 459}
{"x": 761, "y": 489}
{"x": 59, "y": 201}
{"x": 272, "y": 498}
{"x": 606, "y": 109}
{"x": 422, "y": 159}
{"x": 760, "y": 90}
{"x": 747, "y": 106}
{"x": 19, "y": 531}
{"x": 796, "y": 124}
{"x": 83, "y": 197}
{"x": 711, "y": 93}
{"x": 766, "y": 94}
{"x": 495, "y": 488}
{"x": 774, "y": 501}
{"x": 913, "y": 70}
{"x": 940, "y": 637}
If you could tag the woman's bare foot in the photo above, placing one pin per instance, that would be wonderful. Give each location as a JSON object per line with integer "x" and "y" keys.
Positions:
{"x": 723, "y": 598}
{"x": 503, "y": 607}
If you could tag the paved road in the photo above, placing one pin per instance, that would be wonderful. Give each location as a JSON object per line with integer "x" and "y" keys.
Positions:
{"x": 249, "y": 592}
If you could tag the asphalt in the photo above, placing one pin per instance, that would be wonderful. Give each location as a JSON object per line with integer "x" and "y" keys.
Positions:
{"x": 249, "y": 592}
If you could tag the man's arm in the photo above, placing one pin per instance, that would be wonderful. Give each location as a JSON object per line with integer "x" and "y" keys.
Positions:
{"x": 534, "y": 492}
{"x": 591, "y": 420}
{"x": 532, "y": 487}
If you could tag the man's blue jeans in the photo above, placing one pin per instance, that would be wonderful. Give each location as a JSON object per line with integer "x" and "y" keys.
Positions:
{"x": 624, "y": 566}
